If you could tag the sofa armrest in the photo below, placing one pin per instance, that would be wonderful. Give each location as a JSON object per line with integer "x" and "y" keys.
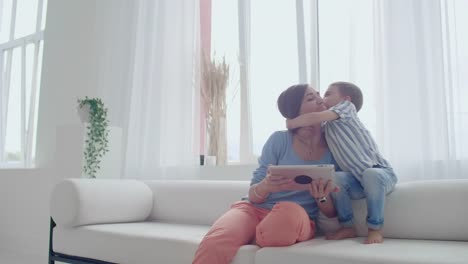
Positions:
{"x": 76, "y": 202}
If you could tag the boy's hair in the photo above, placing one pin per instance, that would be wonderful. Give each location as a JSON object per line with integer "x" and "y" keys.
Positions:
{"x": 351, "y": 90}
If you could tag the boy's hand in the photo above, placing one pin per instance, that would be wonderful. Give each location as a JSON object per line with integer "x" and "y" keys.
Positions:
{"x": 290, "y": 123}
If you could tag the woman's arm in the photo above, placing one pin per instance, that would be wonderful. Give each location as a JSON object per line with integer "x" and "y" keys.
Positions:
{"x": 321, "y": 193}
{"x": 258, "y": 193}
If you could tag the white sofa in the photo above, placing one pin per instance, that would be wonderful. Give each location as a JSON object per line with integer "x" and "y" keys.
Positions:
{"x": 129, "y": 221}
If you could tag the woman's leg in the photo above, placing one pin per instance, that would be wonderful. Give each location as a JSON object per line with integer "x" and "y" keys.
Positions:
{"x": 232, "y": 230}
{"x": 286, "y": 224}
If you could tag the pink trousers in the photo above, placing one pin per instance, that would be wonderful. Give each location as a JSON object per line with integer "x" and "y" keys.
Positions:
{"x": 286, "y": 224}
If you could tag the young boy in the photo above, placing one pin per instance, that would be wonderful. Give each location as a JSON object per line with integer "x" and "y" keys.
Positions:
{"x": 356, "y": 152}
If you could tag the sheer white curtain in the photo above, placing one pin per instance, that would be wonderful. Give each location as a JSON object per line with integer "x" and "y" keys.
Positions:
{"x": 421, "y": 86}
{"x": 162, "y": 127}
{"x": 410, "y": 58}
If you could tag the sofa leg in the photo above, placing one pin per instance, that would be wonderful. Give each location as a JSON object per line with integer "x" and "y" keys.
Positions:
{"x": 51, "y": 231}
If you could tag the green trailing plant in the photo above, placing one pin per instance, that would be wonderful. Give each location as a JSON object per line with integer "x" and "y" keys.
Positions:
{"x": 96, "y": 143}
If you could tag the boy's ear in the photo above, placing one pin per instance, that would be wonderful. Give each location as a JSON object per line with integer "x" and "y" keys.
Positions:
{"x": 348, "y": 98}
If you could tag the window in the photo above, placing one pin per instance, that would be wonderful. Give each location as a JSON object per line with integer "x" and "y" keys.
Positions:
{"x": 225, "y": 42}
{"x": 323, "y": 41}
{"x": 346, "y": 49}
{"x": 22, "y": 25}
{"x": 459, "y": 58}
{"x": 273, "y": 64}
{"x": 270, "y": 71}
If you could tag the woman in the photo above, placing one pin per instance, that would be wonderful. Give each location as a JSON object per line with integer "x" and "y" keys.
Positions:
{"x": 274, "y": 214}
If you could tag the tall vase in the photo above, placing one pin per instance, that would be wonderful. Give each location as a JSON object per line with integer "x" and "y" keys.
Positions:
{"x": 213, "y": 134}
{"x": 83, "y": 113}
{"x": 222, "y": 141}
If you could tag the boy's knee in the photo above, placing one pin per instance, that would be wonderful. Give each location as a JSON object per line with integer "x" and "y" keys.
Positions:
{"x": 342, "y": 179}
{"x": 373, "y": 177}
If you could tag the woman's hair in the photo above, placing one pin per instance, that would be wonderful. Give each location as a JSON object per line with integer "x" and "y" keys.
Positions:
{"x": 351, "y": 90}
{"x": 290, "y": 100}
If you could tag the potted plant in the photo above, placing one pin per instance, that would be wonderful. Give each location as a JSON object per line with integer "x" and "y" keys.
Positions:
{"x": 93, "y": 112}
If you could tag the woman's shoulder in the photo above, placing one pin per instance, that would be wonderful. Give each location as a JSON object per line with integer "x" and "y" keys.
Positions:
{"x": 281, "y": 136}
{"x": 278, "y": 142}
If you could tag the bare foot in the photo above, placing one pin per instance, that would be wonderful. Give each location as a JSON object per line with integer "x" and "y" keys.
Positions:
{"x": 374, "y": 236}
{"x": 342, "y": 233}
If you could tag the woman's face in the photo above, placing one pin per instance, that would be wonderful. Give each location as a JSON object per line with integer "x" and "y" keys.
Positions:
{"x": 312, "y": 102}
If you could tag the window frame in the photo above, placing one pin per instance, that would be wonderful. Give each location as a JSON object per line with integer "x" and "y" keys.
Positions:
{"x": 6, "y": 53}
{"x": 247, "y": 155}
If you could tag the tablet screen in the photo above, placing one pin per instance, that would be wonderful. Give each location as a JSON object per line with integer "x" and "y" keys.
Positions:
{"x": 304, "y": 174}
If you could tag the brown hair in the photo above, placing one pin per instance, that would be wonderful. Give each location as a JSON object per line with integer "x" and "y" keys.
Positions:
{"x": 290, "y": 100}
{"x": 351, "y": 90}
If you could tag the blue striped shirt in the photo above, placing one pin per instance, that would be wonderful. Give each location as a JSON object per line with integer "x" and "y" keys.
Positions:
{"x": 352, "y": 145}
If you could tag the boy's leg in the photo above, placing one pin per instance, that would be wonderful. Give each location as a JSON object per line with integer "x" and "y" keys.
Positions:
{"x": 232, "y": 230}
{"x": 350, "y": 189}
{"x": 286, "y": 224}
{"x": 377, "y": 183}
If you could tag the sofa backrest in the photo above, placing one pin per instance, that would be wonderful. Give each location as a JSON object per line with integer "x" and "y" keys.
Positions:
{"x": 194, "y": 202}
{"x": 415, "y": 210}
{"x": 423, "y": 210}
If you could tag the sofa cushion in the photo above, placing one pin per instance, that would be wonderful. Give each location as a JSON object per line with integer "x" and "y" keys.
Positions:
{"x": 194, "y": 202}
{"x": 77, "y": 202}
{"x": 353, "y": 251}
{"x": 138, "y": 243}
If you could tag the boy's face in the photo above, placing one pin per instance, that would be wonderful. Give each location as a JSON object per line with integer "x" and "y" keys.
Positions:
{"x": 332, "y": 96}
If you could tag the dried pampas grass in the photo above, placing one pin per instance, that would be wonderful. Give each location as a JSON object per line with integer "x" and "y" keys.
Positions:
{"x": 215, "y": 75}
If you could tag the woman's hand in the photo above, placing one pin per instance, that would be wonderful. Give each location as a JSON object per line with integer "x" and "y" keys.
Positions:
{"x": 319, "y": 189}
{"x": 276, "y": 183}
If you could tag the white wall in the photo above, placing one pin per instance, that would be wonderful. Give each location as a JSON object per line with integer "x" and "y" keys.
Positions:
{"x": 69, "y": 70}
{"x": 24, "y": 207}
{"x": 86, "y": 52}
{"x": 77, "y": 61}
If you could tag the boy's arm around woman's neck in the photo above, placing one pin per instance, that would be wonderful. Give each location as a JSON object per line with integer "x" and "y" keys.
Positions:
{"x": 310, "y": 119}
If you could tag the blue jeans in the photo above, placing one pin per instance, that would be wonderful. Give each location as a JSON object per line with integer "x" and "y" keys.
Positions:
{"x": 374, "y": 185}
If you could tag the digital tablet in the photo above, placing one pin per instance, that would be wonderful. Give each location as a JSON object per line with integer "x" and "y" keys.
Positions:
{"x": 304, "y": 174}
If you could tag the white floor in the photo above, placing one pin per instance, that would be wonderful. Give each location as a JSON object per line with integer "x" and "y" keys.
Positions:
{"x": 9, "y": 257}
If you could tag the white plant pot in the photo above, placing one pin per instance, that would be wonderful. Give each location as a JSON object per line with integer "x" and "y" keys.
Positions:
{"x": 210, "y": 161}
{"x": 83, "y": 113}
